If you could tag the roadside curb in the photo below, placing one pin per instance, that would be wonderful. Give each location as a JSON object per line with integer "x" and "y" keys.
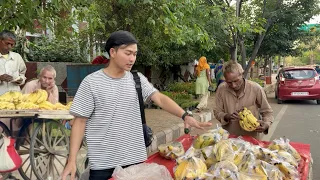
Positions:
{"x": 170, "y": 134}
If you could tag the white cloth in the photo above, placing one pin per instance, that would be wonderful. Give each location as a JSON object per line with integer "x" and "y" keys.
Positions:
{"x": 15, "y": 67}
{"x": 203, "y": 101}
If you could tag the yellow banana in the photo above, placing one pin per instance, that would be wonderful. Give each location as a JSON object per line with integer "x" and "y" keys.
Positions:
{"x": 198, "y": 142}
{"x": 69, "y": 105}
{"x": 26, "y": 105}
{"x": 60, "y": 106}
{"x": 207, "y": 141}
{"x": 7, "y": 106}
{"x": 43, "y": 96}
{"x": 247, "y": 120}
{"x": 46, "y": 105}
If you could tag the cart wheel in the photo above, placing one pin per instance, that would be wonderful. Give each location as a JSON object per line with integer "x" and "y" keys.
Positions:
{"x": 82, "y": 159}
{"x": 23, "y": 149}
{"x": 3, "y": 129}
{"x": 49, "y": 162}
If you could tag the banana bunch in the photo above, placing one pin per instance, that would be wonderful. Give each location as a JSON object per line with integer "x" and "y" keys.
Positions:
{"x": 69, "y": 105}
{"x": 223, "y": 151}
{"x": 247, "y": 120}
{"x": 224, "y": 133}
{"x": 287, "y": 157}
{"x": 192, "y": 168}
{"x": 171, "y": 151}
{"x": 7, "y": 106}
{"x": 248, "y": 162}
{"x": 46, "y": 105}
{"x": 272, "y": 171}
{"x": 37, "y": 96}
{"x": 260, "y": 172}
{"x": 26, "y": 105}
{"x": 238, "y": 157}
{"x": 59, "y": 106}
{"x": 12, "y": 97}
{"x": 289, "y": 171}
{"x": 284, "y": 145}
{"x": 224, "y": 170}
{"x": 205, "y": 140}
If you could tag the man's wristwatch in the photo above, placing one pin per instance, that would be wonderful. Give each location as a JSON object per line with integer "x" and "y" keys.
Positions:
{"x": 187, "y": 113}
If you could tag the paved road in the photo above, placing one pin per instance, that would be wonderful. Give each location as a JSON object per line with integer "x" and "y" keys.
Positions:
{"x": 300, "y": 122}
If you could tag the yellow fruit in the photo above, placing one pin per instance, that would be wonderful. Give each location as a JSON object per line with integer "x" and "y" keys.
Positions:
{"x": 247, "y": 120}
{"x": 7, "y": 106}
{"x": 26, "y": 106}
{"x": 60, "y": 106}
{"x": 46, "y": 105}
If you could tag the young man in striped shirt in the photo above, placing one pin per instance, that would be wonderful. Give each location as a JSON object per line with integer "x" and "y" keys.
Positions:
{"x": 106, "y": 110}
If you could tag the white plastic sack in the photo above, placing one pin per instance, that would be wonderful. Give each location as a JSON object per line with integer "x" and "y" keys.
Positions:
{"x": 141, "y": 171}
{"x": 9, "y": 158}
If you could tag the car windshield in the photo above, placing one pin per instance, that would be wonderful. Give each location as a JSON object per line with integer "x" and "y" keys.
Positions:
{"x": 299, "y": 74}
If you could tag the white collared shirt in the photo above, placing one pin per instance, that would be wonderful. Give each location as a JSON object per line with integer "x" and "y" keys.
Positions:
{"x": 15, "y": 67}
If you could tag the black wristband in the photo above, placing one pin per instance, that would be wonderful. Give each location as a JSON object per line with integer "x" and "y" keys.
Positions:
{"x": 184, "y": 115}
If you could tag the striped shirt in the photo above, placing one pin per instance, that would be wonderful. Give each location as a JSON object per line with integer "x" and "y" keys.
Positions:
{"x": 113, "y": 131}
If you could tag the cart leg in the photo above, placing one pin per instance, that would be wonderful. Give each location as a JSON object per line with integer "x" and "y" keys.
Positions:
{"x": 54, "y": 143}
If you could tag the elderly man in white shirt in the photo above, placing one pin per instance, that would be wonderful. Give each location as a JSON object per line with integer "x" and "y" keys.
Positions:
{"x": 12, "y": 71}
{"x": 12, "y": 66}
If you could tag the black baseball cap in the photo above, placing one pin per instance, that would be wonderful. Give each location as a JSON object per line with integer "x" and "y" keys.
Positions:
{"x": 119, "y": 38}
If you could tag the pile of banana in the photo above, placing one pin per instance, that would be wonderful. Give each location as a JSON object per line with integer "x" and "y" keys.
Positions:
{"x": 247, "y": 120}
{"x": 14, "y": 100}
{"x": 237, "y": 159}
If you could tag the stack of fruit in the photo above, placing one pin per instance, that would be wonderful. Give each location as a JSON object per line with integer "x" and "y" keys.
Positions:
{"x": 247, "y": 120}
{"x": 14, "y": 100}
{"x": 214, "y": 158}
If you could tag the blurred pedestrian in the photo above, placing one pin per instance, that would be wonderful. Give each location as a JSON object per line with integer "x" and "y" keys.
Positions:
{"x": 202, "y": 83}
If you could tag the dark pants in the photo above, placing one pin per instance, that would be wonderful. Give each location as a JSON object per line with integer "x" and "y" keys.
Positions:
{"x": 104, "y": 174}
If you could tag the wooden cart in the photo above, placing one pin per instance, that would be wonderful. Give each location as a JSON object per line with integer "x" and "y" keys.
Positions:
{"x": 42, "y": 142}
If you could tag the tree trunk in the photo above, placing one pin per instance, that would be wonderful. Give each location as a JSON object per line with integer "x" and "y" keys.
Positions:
{"x": 233, "y": 53}
{"x": 243, "y": 52}
{"x": 257, "y": 45}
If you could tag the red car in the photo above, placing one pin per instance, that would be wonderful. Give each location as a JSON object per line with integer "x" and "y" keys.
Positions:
{"x": 297, "y": 83}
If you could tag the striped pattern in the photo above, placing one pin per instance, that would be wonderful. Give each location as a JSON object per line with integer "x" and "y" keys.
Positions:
{"x": 113, "y": 131}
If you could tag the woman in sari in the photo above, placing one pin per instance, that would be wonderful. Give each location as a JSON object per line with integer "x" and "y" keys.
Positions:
{"x": 202, "y": 83}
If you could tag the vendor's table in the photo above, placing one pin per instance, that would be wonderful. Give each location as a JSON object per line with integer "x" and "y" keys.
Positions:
{"x": 186, "y": 140}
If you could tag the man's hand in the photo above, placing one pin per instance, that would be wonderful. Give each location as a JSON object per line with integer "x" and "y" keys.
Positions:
{"x": 71, "y": 169}
{"x": 191, "y": 122}
{"x": 19, "y": 81}
{"x": 263, "y": 126}
{"x": 50, "y": 87}
{"x": 6, "y": 77}
{"x": 232, "y": 117}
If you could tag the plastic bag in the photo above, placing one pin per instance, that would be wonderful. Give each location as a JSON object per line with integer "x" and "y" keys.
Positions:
{"x": 192, "y": 168}
{"x": 141, "y": 171}
{"x": 272, "y": 171}
{"x": 281, "y": 144}
{"x": 224, "y": 170}
{"x": 9, "y": 158}
{"x": 223, "y": 150}
{"x": 172, "y": 150}
{"x": 191, "y": 152}
{"x": 289, "y": 171}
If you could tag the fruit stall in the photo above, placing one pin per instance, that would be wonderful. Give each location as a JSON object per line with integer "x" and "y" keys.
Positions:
{"x": 42, "y": 141}
{"x": 218, "y": 155}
